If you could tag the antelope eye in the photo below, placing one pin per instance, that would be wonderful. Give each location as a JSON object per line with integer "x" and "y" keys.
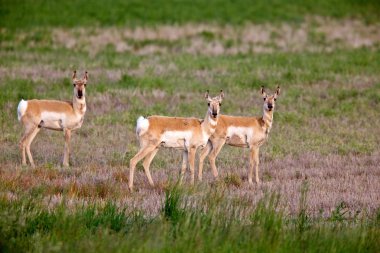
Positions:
{"x": 74, "y": 84}
{"x": 265, "y": 99}
{"x": 275, "y": 99}
{"x": 85, "y": 86}
{"x": 220, "y": 104}
{"x": 208, "y": 104}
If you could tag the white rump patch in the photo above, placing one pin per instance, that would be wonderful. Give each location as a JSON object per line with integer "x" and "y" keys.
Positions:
{"x": 176, "y": 139}
{"x": 142, "y": 125}
{"x": 21, "y": 108}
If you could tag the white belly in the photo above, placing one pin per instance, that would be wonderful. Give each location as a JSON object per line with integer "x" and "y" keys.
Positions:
{"x": 176, "y": 139}
{"x": 239, "y": 136}
{"x": 54, "y": 125}
{"x": 53, "y": 116}
{"x": 56, "y": 120}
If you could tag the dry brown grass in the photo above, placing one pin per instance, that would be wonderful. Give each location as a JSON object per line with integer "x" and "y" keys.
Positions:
{"x": 331, "y": 180}
{"x": 316, "y": 34}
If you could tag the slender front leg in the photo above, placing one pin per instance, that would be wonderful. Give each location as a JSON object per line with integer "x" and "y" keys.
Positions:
{"x": 146, "y": 164}
{"x": 205, "y": 152}
{"x": 217, "y": 146}
{"x": 66, "y": 153}
{"x": 29, "y": 141}
{"x": 192, "y": 152}
{"x": 138, "y": 157}
{"x": 254, "y": 162}
{"x": 184, "y": 165}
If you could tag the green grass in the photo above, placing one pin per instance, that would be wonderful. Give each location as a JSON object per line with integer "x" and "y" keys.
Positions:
{"x": 325, "y": 118}
{"x": 25, "y": 225}
{"x": 301, "y": 103}
{"x": 28, "y": 13}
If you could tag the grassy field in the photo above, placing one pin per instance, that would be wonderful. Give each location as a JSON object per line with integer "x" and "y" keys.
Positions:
{"x": 31, "y": 13}
{"x": 320, "y": 189}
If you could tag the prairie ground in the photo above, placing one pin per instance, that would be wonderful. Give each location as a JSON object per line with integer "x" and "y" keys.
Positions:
{"x": 319, "y": 168}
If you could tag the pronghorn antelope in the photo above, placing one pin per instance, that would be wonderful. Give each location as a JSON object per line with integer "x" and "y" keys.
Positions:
{"x": 244, "y": 132}
{"x": 52, "y": 114}
{"x": 186, "y": 134}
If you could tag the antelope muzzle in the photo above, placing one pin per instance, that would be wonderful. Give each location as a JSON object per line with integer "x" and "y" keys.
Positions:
{"x": 80, "y": 94}
{"x": 214, "y": 114}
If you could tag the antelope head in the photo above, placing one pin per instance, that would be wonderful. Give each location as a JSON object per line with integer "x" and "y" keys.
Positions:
{"x": 214, "y": 104}
{"x": 269, "y": 100}
{"x": 79, "y": 85}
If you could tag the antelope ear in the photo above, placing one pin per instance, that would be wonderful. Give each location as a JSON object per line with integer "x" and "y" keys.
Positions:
{"x": 221, "y": 96}
{"x": 207, "y": 95}
{"x": 277, "y": 92}
{"x": 74, "y": 75}
{"x": 85, "y": 77}
{"x": 263, "y": 93}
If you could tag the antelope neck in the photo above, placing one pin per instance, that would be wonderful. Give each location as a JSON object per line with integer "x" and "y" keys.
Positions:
{"x": 79, "y": 104}
{"x": 209, "y": 124}
{"x": 268, "y": 119}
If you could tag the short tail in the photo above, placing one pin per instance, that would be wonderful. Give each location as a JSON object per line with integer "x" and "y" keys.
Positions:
{"x": 142, "y": 125}
{"x": 21, "y": 108}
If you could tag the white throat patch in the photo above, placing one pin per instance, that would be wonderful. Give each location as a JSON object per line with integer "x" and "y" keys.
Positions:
{"x": 212, "y": 121}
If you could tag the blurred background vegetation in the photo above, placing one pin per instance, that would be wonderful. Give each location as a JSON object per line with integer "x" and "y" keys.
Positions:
{"x": 71, "y": 13}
